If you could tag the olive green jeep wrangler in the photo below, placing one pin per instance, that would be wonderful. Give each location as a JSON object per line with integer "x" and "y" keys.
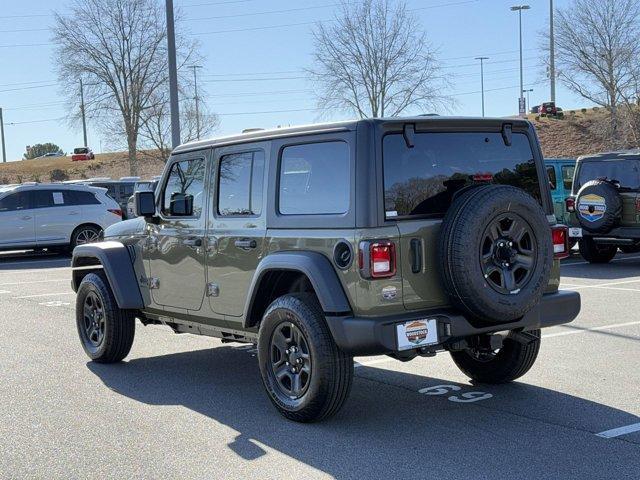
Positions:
{"x": 400, "y": 237}
{"x": 605, "y": 205}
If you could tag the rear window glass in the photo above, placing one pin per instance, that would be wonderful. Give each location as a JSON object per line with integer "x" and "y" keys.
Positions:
{"x": 315, "y": 179}
{"x": 240, "y": 184}
{"x": 627, "y": 172}
{"x": 79, "y": 197}
{"x": 423, "y": 180}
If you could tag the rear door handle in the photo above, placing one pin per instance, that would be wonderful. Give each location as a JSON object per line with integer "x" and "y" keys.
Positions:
{"x": 246, "y": 243}
{"x": 192, "y": 242}
{"x": 75, "y": 212}
{"x": 27, "y": 217}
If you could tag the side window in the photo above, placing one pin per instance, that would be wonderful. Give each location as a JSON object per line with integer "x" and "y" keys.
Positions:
{"x": 551, "y": 173}
{"x": 15, "y": 201}
{"x": 567, "y": 176}
{"x": 47, "y": 198}
{"x": 314, "y": 179}
{"x": 186, "y": 178}
{"x": 240, "y": 184}
{"x": 78, "y": 197}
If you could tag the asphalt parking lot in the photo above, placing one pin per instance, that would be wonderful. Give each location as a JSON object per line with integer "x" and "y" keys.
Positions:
{"x": 182, "y": 406}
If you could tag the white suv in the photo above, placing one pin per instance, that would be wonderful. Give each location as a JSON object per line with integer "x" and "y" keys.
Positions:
{"x": 54, "y": 215}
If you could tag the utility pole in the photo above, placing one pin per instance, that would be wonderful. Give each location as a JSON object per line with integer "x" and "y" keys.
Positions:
{"x": 482, "y": 59}
{"x": 521, "y": 105}
{"x": 4, "y": 150}
{"x": 173, "y": 76}
{"x": 197, "y": 99}
{"x": 552, "y": 54}
{"x": 82, "y": 111}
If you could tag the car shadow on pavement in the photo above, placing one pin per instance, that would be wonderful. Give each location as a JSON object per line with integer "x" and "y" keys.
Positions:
{"x": 624, "y": 268}
{"x": 386, "y": 428}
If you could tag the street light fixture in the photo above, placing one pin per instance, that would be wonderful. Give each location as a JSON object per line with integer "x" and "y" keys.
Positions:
{"x": 519, "y": 9}
{"x": 482, "y": 59}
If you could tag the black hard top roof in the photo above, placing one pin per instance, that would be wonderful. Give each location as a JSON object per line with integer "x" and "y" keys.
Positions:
{"x": 258, "y": 135}
{"x": 618, "y": 155}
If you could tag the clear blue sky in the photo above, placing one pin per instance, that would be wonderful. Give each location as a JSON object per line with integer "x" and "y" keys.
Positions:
{"x": 250, "y": 69}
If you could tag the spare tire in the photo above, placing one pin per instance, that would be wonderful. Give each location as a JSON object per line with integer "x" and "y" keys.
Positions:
{"x": 598, "y": 206}
{"x": 495, "y": 253}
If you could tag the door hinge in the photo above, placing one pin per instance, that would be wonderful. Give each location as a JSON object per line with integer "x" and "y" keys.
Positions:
{"x": 213, "y": 290}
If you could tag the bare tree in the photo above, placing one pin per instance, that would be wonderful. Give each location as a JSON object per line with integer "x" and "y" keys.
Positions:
{"x": 118, "y": 47}
{"x": 374, "y": 60}
{"x": 155, "y": 131}
{"x": 598, "y": 51}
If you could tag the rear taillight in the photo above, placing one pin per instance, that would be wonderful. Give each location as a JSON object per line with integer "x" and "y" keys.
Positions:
{"x": 377, "y": 259}
{"x": 115, "y": 211}
{"x": 570, "y": 204}
{"x": 560, "y": 237}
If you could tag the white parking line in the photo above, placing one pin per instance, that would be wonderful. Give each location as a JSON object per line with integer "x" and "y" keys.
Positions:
{"x": 46, "y": 295}
{"x": 616, "y": 432}
{"x": 5, "y": 291}
{"x": 600, "y": 285}
{"x": 35, "y": 281}
{"x": 372, "y": 362}
{"x": 32, "y": 270}
{"x": 591, "y": 329}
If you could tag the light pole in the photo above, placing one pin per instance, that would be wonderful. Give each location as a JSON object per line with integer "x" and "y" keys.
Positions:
{"x": 195, "y": 85}
{"x": 482, "y": 59}
{"x": 173, "y": 77}
{"x": 552, "y": 54}
{"x": 519, "y": 9}
{"x": 528, "y": 92}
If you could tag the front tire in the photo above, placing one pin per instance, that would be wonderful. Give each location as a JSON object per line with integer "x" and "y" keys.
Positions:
{"x": 106, "y": 331}
{"x": 594, "y": 253}
{"x": 511, "y": 361}
{"x": 306, "y": 375}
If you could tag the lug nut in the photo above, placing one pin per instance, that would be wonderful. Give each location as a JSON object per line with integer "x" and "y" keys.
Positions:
{"x": 286, "y": 363}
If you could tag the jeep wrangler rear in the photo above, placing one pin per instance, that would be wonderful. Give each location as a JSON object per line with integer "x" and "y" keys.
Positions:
{"x": 605, "y": 205}
{"x": 399, "y": 237}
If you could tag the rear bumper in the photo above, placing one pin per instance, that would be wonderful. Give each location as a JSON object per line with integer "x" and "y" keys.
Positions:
{"x": 377, "y": 336}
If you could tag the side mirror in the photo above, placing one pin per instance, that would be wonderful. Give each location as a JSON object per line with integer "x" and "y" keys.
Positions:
{"x": 144, "y": 204}
{"x": 181, "y": 205}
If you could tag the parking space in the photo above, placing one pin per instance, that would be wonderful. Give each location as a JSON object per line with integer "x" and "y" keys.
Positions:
{"x": 192, "y": 407}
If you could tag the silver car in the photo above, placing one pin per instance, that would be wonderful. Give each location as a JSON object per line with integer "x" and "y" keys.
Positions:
{"x": 56, "y": 216}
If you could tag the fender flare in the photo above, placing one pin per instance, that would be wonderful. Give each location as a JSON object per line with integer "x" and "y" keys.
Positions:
{"x": 315, "y": 266}
{"x": 117, "y": 265}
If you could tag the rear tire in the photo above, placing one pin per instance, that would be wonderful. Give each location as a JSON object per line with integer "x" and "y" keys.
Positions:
{"x": 512, "y": 361}
{"x": 594, "y": 253}
{"x": 307, "y": 377}
{"x": 84, "y": 234}
{"x": 106, "y": 331}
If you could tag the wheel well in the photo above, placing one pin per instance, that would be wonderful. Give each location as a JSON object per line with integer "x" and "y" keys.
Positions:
{"x": 275, "y": 284}
{"x": 88, "y": 224}
{"x": 86, "y": 263}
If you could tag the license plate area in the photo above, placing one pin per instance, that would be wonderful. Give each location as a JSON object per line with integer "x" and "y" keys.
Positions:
{"x": 417, "y": 333}
{"x": 575, "y": 232}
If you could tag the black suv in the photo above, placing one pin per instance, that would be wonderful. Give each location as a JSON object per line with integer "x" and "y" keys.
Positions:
{"x": 403, "y": 237}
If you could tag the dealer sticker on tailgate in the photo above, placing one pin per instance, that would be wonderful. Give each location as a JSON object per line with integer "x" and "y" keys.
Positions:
{"x": 417, "y": 333}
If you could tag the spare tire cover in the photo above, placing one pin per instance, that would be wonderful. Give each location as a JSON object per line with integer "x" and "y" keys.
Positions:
{"x": 598, "y": 206}
{"x": 495, "y": 253}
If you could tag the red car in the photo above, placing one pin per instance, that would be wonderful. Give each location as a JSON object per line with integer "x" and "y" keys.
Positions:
{"x": 549, "y": 108}
{"x": 82, "y": 153}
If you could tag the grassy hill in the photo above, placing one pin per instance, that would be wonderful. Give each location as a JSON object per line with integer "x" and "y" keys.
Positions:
{"x": 114, "y": 165}
{"x": 580, "y": 132}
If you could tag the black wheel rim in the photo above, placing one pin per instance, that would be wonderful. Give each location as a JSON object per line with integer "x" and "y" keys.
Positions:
{"x": 93, "y": 320}
{"x": 290, "y": 360}
{"x": 508, "y": 253}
